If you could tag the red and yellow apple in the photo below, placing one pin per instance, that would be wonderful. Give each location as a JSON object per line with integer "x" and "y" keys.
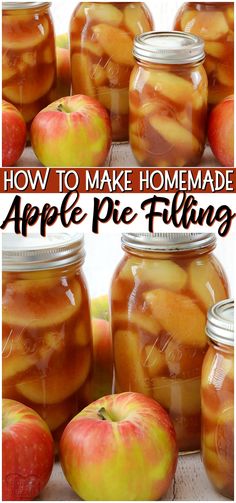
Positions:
{"x": 74, "y": 131}
{"x": 121, "y": 447}
{"x": 62, "y": 40}
{"x": 27, "y": 452}
{"x": 63, "y": 86}
{"x": 221, "y": 132}
{"x": 13, "y": 134}
{"x": 103, "y": 365}
{"x": 100, "y": 307}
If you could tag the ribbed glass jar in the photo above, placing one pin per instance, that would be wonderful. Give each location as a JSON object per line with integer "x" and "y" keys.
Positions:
{"x": 168, "y": 100}
{"x": 214, "y": 23}
{"x": 47, "y": 342}
{"x": 28, "y": 56}
{"x": 160, "y": 294}
{"x": 101, "y": 40}
{"x": 217, "y": 397}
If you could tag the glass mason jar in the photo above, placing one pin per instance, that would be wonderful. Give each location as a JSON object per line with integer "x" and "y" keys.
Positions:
{"x": 168, "y": 100}
{"x": 160, "y": 295}
{"x": 217, "y": 396}
{"x": 101, "y": 40}
{"x": 214, "y": 22}
{"x": 28, "y": 56}
{"x": 47, "y": 342}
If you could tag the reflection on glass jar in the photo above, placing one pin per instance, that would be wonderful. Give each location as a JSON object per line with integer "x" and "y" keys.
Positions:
{"x": 101, "y": 38}
{"x": 214, "y": 22}
{"x": 28, "y": 56}
{"x": 160, "y": 295}
{"x": 217, "y": 395}
{"x": 168, "y": 100}
{"x": 47, "y": 344}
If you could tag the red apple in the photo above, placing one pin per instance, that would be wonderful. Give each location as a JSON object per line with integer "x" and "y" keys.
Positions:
{"x": 103, "y": 362}
{"x": 27, "y": 452}
{"x": 72, "y": 132}
{"x": 221, "y": 132}
{"x": 13, "y": 134}
{"x": 63, "y": 75}
{"x": 121, "y": 447}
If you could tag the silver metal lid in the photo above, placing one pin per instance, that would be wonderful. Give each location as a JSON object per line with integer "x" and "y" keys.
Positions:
{"x": 24, "y": 5}
{"x": 220, "y": 322}
{"x": 171, "y": 48}
{"x": 34, "y": 252}
{"x": 168, "y": 242}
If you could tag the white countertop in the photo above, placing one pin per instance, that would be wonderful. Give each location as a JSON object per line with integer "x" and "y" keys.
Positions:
{"x": 190, "y": 484}
{"x": 120, "y": 156}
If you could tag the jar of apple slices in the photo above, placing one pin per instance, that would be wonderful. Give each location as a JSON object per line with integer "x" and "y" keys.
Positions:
{"x": 101, "y": 41}
{"x": 214, "y": 22}
{"x": 28, "y": 56}
{"x": 46, "y": 328}
{"x": 168, "y": 100}
{"x": 160, "y": 294}
{"x": 217, "y": 398}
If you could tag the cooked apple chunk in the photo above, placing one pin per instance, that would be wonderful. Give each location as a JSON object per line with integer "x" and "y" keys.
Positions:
{"x": 179, "y": 315}
{"x": 103, "y": 12}
{"x": 162, "y": 273}
{"x": 130, "y": 372}
{"x": 206, "y": 281}
{"x": 115, "y": 42}
{"x": 135, "y": 19}
{"x": 81, "y": 70}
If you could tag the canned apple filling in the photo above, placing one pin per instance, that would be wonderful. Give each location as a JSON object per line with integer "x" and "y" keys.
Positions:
{"x": 47, "y": 342}
{"x": 28, "y": 56}
{"x": 217, "y": 396}
{"x": 101, "y": 38}
{"x": 214, "y": 22}
{"x": 160, "y": 295}
{"x": 168, "y": 100}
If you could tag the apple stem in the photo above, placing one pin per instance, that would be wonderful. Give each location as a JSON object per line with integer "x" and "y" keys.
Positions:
{"x": 103, "y": 414}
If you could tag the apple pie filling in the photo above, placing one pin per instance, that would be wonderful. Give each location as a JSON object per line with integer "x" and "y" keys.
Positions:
{"x": 28, "y": 56}
{"x": 160, "y": 295}
{"x": 168, "y": 100}
{"x": 217, "y": 396}
{"x": 47, "y": 342}
{"x": 101, "y": 36}
{"x": 214, "y": 22}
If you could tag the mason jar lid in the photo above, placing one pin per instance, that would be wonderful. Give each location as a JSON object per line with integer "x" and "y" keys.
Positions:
{"x": 34, "y": 252}
{"x": 174, "y": 48}
{"x": 168, "y": 242}
{"x": 220, "y": 322}
{"x": 24, "y": 5}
